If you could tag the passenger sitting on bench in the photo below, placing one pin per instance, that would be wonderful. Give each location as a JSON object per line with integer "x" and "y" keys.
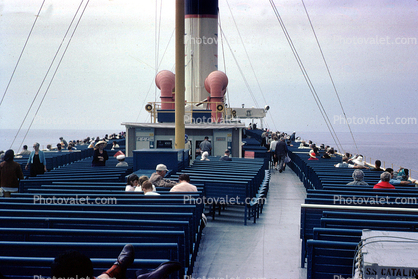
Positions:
{"x": 122, "y": 162}
{"x": 226, "y": 156}
{"x": 157, "y": 178}
{"x": 184, "y": 184}
{"x": 205, "y": 156}
{"x": 73, "y": 264}
{"x": 141, "y": 181}
{"x": 132, "y": 182}
{"x": 396, "y": 182}
{"x": 313, "y": 153}
{"x": 358, "y": 176}
{"x": 345, "y": 164}
{"x": 147, "y": 189}
{"x": 384, "y": 181}
{"x": 377, "y": 165}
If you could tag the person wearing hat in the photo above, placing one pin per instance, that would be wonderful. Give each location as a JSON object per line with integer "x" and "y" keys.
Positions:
{"x": 157, "y": 178}
{"x": 10, "y": 174}
{"x": 100, "y": 155}
{"x": 313, "y": 153}
{"x": 358, "y": 176}
{"x": 121, "y": 159}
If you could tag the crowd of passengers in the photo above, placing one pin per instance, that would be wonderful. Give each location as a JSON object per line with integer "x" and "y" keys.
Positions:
{"x": 389, "y": 178}
{"x": 11, "y": 172}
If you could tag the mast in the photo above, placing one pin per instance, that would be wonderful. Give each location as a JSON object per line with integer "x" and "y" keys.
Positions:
{"x": 179, "y": 86}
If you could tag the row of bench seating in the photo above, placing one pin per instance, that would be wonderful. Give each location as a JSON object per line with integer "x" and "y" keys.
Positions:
{"x": 44, "y": 220}
{"x": 77, "y": 206}
{"x": 57, "y": 159}
{"x": 334, "y": 214}
{"x": 240, "y": 181}
{"x": 79, "y": 172}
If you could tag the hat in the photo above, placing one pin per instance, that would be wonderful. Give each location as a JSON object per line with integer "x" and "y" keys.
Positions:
{"x": 100, "y": 142}
{"x": 9, "y": 155}
{"x": 312, "y": 154}
{"x": 118, "y": 153}
{"x": 161, "y": 167}
{"x": 61, "y": 137}
{"x": 120, "y": 157}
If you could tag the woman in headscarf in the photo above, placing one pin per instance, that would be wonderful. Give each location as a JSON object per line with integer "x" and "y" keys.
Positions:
{"x": 36, "y": 161}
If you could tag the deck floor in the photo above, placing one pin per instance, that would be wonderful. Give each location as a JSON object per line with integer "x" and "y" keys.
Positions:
{"x": 268, "y": 249}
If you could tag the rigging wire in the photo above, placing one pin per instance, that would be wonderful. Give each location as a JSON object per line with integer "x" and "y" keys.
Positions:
{"x": 239, "y": 68}
{"x": 223, "y": 55}
{"x": 43, "y": 80}
{"x": 59, "y": 62}
{"x": 153, "y": 81}
{"x": 21, "y": 53}
{"x": 249, "y": 60}
{"x": 157, "y": 40}
{"x": 330, "y": 76}
{"x": 305, "y": 74}
{"x": 246, "y": 53}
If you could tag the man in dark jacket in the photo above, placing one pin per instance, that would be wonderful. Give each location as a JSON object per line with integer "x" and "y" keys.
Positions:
{"x": 281, "y": 152}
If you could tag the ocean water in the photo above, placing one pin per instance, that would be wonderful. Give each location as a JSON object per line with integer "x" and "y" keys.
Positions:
{"x": 393, "y": 149}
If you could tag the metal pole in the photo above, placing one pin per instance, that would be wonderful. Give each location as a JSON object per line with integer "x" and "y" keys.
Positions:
{"x": 180, "y": 87}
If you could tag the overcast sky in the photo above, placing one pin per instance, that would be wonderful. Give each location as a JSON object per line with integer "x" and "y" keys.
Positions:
{"x": 107, "y": 74}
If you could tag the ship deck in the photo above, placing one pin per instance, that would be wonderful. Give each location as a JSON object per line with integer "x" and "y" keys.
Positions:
{"x": 268, "y": 249}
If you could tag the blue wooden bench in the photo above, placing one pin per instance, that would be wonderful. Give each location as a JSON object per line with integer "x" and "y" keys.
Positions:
{"x": 311, "y": 215}
{"x": 330, "y": 259}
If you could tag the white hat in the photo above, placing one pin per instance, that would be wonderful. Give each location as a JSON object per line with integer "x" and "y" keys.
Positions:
{"x": 120, "y": 157}
{"x": 161, "y": 167}
{"x": 100, "y": 142}
{"x": 312, "y": 154}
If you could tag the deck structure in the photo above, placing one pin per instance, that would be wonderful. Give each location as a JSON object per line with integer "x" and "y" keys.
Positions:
{"x": 268, "y": 249}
